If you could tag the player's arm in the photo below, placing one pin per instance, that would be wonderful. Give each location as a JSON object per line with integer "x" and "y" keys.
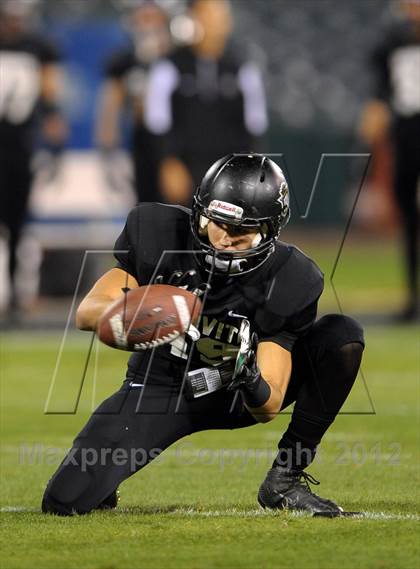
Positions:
{"x": 275, "y": 365}
{"x": 263, "y": 379}
{"x": 104, "y": 292}
{"x": 375, "y": 121}
{"x": 107, "y": 121}
{"x": 175, "y": 180}
{"x": 376, "y": 117}
{"x": 54, "y": 127}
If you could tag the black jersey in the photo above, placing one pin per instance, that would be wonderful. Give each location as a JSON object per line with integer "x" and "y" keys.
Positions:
{"x": 21, "y": 61}
{"x": 206, "y": 108}
{"x": 396, "y": 64}
{"x": 280, "y": 299}
{"x": 132, "y": 73}
{"x": 126, "y": 67}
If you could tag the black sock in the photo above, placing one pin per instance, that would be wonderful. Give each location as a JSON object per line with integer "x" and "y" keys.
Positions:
{"x": 294, "y": 454}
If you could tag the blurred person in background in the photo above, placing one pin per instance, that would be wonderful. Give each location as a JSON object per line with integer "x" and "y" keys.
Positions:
{"x": 29, "y": 94}
{"x": 395, "y": 110}
{"x": 207, "y": 99}
{"x": 124, "y": 87}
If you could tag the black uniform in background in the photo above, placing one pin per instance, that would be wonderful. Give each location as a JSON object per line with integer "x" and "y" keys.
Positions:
{"x": 20, "y": 62}
{"x": 124, "y": 66}
{"x": 206, "y": 108}
{"x": 396, "y": 64}
{"x": 148, "y": 413}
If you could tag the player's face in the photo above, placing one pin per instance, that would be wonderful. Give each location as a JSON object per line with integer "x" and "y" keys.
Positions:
{"x": 412, "y": 9}
{"x": 213, "y": 17}
{"x": 230, "y": 237}
{"x": 147, "y": 18}
{"x": 11, "y": 25}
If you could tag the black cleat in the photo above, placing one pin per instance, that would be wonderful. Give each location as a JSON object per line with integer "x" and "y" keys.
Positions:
{"x": 111, "y": 502}
{"x": 289, "y": 490}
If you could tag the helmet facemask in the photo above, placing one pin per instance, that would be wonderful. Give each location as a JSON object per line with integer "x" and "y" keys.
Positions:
{"x": 237, "y": 262}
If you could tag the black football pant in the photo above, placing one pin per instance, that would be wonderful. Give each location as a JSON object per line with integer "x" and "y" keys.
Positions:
{"x": 134, "y": 425}
{"x": 145, "y": 158}
{"x": 406, "y": 179}
{"x": 15, "y": 184}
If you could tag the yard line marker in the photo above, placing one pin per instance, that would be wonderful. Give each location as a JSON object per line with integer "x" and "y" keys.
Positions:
{"x": 18, "y": 509}
{"x": 231, "y": 513}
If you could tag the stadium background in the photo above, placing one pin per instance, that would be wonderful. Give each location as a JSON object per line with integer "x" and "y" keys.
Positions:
{"x": 314, "y": 58}
{"x": 314, "y": 55}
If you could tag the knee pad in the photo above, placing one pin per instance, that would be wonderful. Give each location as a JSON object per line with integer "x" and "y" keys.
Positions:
{"x": 340, "y": 329}
{"x": 61, "y": 496}
{"x": 51, "y": 506}
{"x": 65, "y": 488}
{"x": 351, "y": 356}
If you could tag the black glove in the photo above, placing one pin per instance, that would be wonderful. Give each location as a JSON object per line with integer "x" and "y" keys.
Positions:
{"x": 248, "y": 379}
{"x": 184, "y": 279}
{"x": 246, "y": 371}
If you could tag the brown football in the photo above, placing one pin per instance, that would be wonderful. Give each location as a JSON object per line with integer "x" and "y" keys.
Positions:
{"x": 147, "y": 317}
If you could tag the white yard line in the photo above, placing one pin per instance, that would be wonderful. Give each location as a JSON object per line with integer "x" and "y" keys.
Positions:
{"x": 259, "y": 512}
{"x": 385, "y": 516}
{"x": 234, "y": 513}
{"x": 18, "y": 509}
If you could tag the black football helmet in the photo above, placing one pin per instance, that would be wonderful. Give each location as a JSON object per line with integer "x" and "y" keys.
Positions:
{"x": 245, "y": 190}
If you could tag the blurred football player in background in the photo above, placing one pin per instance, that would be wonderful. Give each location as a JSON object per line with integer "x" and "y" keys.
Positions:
{"x": 124, "y": 88}
{"x": 207, "y": 99}
{"x": 395, "y": 110}
{"x": 29, "y": 90}
{"x": 228, "y": 248}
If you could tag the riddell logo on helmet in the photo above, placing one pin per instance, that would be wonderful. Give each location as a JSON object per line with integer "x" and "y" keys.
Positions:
{"x": 226, "y": 209}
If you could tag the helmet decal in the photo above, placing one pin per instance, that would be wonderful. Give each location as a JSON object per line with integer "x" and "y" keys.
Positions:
{"x": 283, "y": 194}
{"x": 225, "y": 208}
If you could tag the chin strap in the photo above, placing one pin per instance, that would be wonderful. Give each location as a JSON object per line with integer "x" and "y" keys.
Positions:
{"x": 229, "y": 267}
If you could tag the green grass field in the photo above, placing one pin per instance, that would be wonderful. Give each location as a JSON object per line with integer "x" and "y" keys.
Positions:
{"x": 195, "y": 506}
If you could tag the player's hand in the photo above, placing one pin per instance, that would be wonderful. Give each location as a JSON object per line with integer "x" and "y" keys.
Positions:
{"x": 116, "y": 170}
{"x": 374, "y": 122}
{"x": 175, "y": 181}
{"x": 55, "y": 130}
{"x": 177, "y": 278}
{"x": 46, "y": 165}
{"x": 185, "y": 280}
{"x": 248, "y": 372}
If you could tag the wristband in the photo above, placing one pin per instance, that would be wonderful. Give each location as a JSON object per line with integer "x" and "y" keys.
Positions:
{"x": 257, "y": 393}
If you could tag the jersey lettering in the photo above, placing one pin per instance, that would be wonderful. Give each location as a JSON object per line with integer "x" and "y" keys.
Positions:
{"x": 215, "y": 352}
{"x": 210, "y": 348}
